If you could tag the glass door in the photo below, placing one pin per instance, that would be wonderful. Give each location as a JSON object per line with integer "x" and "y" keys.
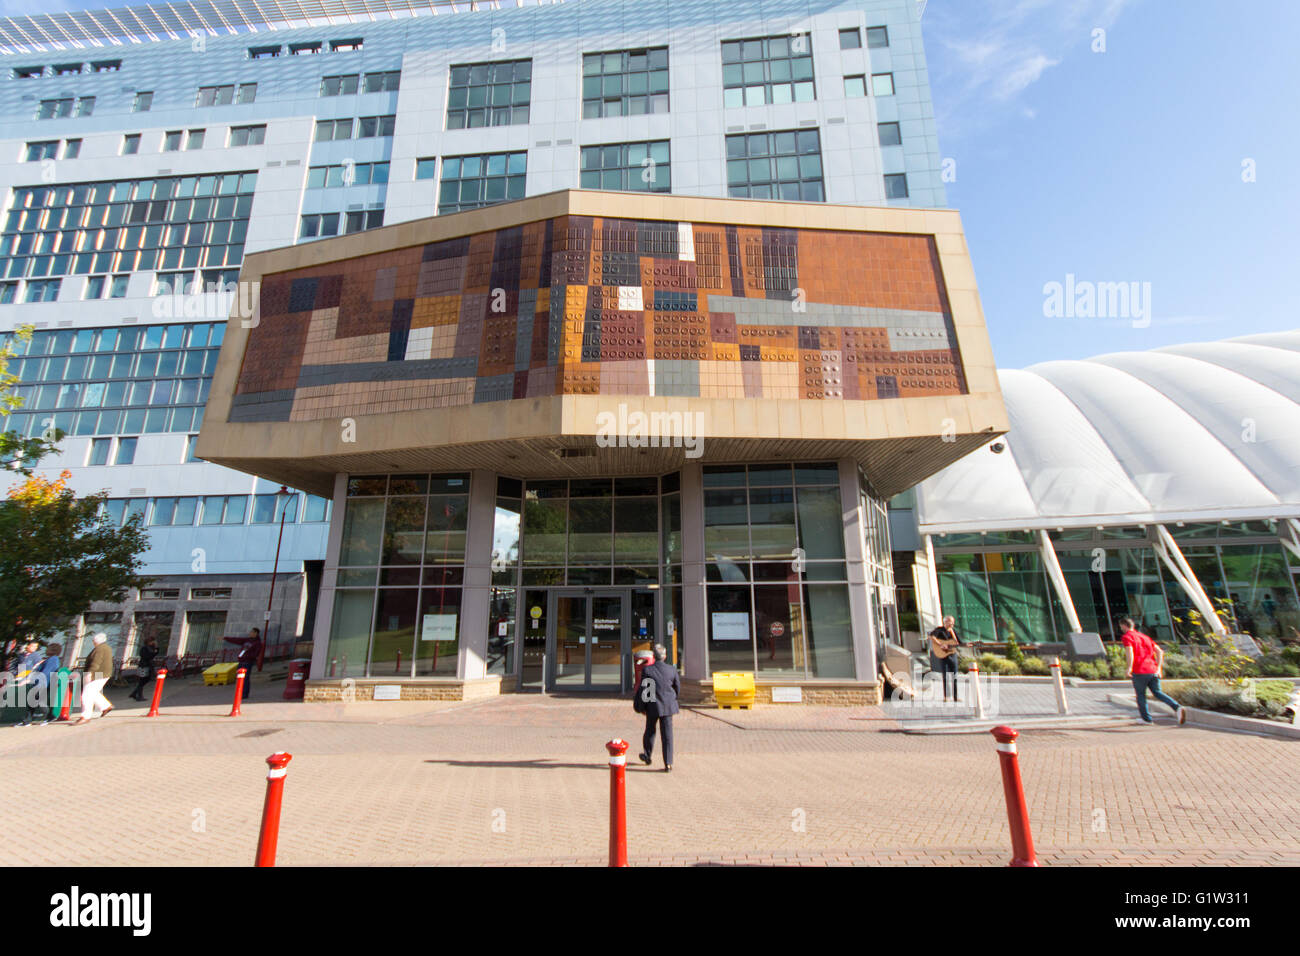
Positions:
{"x": 589, "y": 648}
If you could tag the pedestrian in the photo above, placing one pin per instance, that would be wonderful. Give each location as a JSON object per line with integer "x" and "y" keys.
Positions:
{"x": 145, "y": 670}
{"x": 250, "y": 652}
{"x": 943, "y": 654}
{"x": 99, "y": 668}
{"x": 39, "y": 686}
{"x": 1145, "y": 659}
{"x": 656, "y": 697}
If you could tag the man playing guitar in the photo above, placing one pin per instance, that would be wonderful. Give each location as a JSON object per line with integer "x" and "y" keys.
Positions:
{"x": 943, "y": 654}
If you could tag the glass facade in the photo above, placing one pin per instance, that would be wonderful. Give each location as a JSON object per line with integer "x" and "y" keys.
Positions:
{"x": 625, "y": 83}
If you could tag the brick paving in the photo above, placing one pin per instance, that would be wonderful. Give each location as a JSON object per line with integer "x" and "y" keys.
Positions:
{"x": 523, "y": 780}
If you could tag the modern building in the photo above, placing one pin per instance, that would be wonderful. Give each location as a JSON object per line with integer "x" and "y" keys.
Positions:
{"x": 1144, "y": 484}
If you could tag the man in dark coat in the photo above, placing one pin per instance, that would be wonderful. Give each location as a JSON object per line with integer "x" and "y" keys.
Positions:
{"x": 145, "y": 671}
{"x": 657, "y": 697}
{"x": 249, "y": 653}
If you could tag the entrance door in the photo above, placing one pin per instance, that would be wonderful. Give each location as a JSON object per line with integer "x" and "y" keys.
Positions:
{"x": 589, "y": 646}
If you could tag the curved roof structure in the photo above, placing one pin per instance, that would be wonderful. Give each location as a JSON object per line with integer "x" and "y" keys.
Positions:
{"x": 1199, "y": 432}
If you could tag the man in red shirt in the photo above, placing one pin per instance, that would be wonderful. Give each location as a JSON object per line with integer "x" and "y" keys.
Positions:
{"x": 1145, "y": 658}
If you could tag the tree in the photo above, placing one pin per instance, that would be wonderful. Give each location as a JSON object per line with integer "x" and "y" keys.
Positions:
{"x": 17, "y": 453}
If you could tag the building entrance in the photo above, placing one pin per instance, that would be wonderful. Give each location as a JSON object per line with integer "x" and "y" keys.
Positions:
{"x": 583, "y": 639}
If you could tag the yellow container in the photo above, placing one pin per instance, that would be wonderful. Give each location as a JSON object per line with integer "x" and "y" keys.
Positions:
{"x": 220, "y": 673}
{"x": 733, "y": 689}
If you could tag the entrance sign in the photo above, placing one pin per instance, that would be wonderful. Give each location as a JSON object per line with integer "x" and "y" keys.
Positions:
{"x": 388, "y": 692}
{"x": 438, "y": 627}
{"x": 730, "y": 626}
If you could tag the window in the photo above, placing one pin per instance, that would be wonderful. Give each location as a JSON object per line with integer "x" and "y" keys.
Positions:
{"x": 625, "y": 83}
{"x": 347, "y": 174}
{"x": 54, "y": 109}
{"x": 220, "y": 280}
{"x": 469, "y": 182}
{"x": 267, "y": 509}
{"x": 191, "y": 444}
{"x": 215, "y": 95}
{"x": 344, "y": 85}
{"x": 8, "y": 292}
{"x": 264, "y": 52}
{"x": 99, "y": 448}
{"x": 43, "y": 150}
{"x": 125, "y": 451}
{"x": 247, "y": 135}
{"x": 195, "y": 139}
{"x": 327, "y": 130}
{"x": 882, "y": 84}
{"x": 358, "y": 221}
{"x": 851, "y": 39}
{"x": 85, "y": 105}
{"x": 767, "y": 70}
{"x": 117, "y": 290}
{"x": 130, "y": 144}
{"x": 896, "y": 186}
{"x": 210, "y": 594}
{"x": 71, "y": 148}
{"x": 877, "y": 37}
{"x": 42, "y": 290}
{"x": 174, "y": 511}
{"x": 369, "y": 126}
{"x": 855, "y": 86}
{"x": 317, "y": 509}
{"x": 105, "y": 66}
{"x": 67, "y": 69}
{"x": 305, "y": 49}
{"x": 94, "y": 287}
{"x": 642, "y": 167}
{"x": 167, "y": 283}
{"x": 224, "y": 509}
{"x": 346, "y": 46}
{"x": 247, "y": 93}
{"x": 489, "y": 94}
{"x": 426, "y": 168}
{"x": 159, "y": 594}
{"x": 323, "y": 224}
{"x": 172, "y": 141}
{"x": 28, "y": 72}
{"x": 785, "y": 165}
{"x": 143, "y": 102}
{"x": 889, "y": 134}
{"x": 387, "y": 82}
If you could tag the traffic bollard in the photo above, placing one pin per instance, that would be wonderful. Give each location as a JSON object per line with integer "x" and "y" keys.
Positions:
{"x": 239, "y": 692}
{"x": 976, "y": 694}
{"x": 157, "y": 692}
{"x": 1061, "y": 706}
{"x": 1022, "y": 841}
{"x": 270, "y": 835}
{"x": 617, "y": 802}
{"x": 66, "y": 711}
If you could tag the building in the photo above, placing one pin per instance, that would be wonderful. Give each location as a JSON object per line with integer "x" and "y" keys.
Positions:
{"x": 145, "y": 154}
{"x": 1143, "y": 484}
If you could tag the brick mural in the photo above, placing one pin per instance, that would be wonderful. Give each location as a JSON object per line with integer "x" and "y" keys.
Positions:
{"x": 576, "y": 305}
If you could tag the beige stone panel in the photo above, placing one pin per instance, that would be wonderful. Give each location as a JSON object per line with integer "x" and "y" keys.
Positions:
{"x": 789, "y": 422}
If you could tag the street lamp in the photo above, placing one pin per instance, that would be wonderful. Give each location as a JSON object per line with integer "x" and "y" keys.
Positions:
{"x": 282, "y": 499}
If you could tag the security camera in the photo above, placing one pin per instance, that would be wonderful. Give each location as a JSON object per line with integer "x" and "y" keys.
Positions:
{"x": 997, "y": 448}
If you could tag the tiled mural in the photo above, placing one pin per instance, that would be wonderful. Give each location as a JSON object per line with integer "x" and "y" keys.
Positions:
{"x": 576, "y": 305}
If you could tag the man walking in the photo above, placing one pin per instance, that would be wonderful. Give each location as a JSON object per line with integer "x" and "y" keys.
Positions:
{"x": 40, "y": 685}
{"x": 1145, "y": 659}
{"x": 250, "y": 652}
{"x": 145, "y": 671}
{"x": 657, "y": 699}
{"x": 99, "y": 668}
{"x": 943, "y": 654}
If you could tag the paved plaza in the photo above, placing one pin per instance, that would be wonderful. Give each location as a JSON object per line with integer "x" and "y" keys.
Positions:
{"x": 523, "y": 779}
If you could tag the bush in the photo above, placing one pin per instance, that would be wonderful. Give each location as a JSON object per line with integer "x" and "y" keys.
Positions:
{"x": 1116, "y": 662}
{"x": 964, "y": 663}
{"x": 1259, "y": 698}
{"x": 1292, "y": 653}
{"x": 1276, "y": 665}
{"x": 1014, "y": 654}
{"x": 1089, "y": 671}
{"x": 1035, "y": 665}
{"x": 1178, "y": 666}
{"x": 989, "y": 663}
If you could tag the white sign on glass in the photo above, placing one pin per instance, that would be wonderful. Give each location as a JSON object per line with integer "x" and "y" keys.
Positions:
{"x": 730, "y": 626}
{"x": 439, "y": 627}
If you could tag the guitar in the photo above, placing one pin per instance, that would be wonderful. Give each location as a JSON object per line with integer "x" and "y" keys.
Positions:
{"x": 942, "y": 647}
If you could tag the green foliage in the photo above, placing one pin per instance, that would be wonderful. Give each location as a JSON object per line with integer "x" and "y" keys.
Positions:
{"x": 1276, "y": 665}
{"x": 964, "y": 663}
{"x": 1014, "y": 653}
{"x": 1116, "y": 662}
{"x": 1035, "y": 666}
{"x": 1178, "y": 666}
{"x": 1090, "y": 671}
{"x": 1223, "y": 660}
{"x": 1248, "y": 698}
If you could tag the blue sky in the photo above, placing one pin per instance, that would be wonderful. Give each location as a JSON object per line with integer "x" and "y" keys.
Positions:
{"x": 1115, "y": 166}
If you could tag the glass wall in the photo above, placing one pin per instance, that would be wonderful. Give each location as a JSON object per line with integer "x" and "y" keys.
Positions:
{"x": 591, "y": 532}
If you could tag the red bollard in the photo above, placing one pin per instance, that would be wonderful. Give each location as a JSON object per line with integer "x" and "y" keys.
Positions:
{"x": 66, "y": 710}
{"x": 270, "y": 835}
{"x": 617, "y": 802}
{"x": 157, "y": 692}
{"x": 1022, "y": 841}
{"x": 239, "y": 692}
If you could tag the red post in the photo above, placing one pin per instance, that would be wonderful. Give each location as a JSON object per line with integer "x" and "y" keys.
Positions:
{"x": 66, "y": 711}
{"x": 239, "y": 692}
{"x": 617, "y": 802}
{"x": 1022, "y": 841}
{"x": 270, "y": 835}
{"x": 157, "y": 692}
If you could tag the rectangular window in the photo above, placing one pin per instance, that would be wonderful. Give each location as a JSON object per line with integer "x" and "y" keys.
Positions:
{"x": 167, "y": 283}
{"x": 327, "y": 130}
{"x": 28, "y": 72}
{"x": 8, "y": 292}
{"x": 125, "y": 451}
{"x": 305, "y": 49}
{"x": 43, "y": 150}
{"x": 765, "y": 70}
{"x": 215, "y": 95}
{"x": 319, "y": 225}
{"x": 855, "y": 86}
{"x": 642, "y": 167}
{"x": 191, "y": 444}
{"x": 369, "y": 126}
{"x": 85, "y": 106}
{"x": 247, "y": 135}
{"x": 130, "y": 144}
{"x": 99, "y": 448}
{"x": 105, "y": 66}
{"x": 224, "y": 509}
{"x": 387, "y": 82}
{"x": 195, "y": 139}
{"x": 877, "y": 37}
{"x": 94, "y": 287}
{"x": 851, "y": 39}
{"x": 143, "y": 102}
{"x": 43, "y": 290}
{"x": 783, "y": 165}
{"x": 54, "y": 109}
{"x": 359, "y": 221}
{"x": 625, "y": 82}
{"x": 346, "y": 46}
{"x": 316, "y": 510}
{"x": 889, "y": 134}
{"x": 344, "y": 85}
{"x": 118, "y": 288}
{"x": 71, "y": 148}
{"x": 882, "y": 84}
{"x": 268, "y": 509}
{"x": 426, "y": 168}
{"x": 489, "y": 94}
{"x": 469, "y": 182}
{"x": 896, "y": 186}
{"x": 219, "y": 280}
{"x": 171, "y": 141}
{"x": 67, "y": 69}
{"x": 264, "y": 52}
{"x": 247, "y": 93}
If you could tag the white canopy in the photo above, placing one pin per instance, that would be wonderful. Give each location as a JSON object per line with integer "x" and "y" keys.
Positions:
{"x": 1200, "y": 432}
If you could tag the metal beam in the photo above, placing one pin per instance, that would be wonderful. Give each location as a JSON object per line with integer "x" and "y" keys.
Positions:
{"x": 1167, "y": 550}
{"x": 1048, "y": 551}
